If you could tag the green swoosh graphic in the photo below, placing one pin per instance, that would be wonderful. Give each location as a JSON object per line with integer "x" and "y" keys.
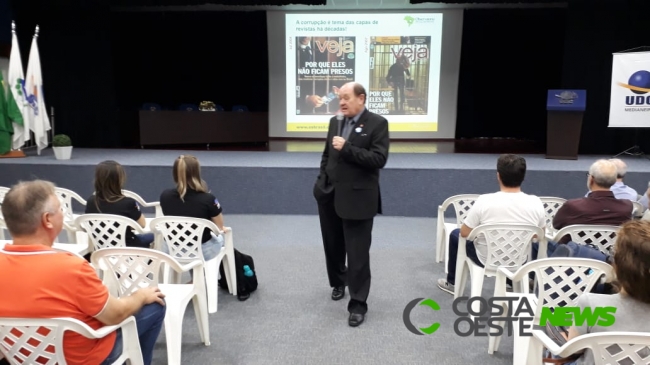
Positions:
{"x": 434, "y": 327}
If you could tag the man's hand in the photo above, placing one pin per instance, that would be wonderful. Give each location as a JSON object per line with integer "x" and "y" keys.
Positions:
{"x": 338, "y": 143}
{"x": 152, "y": 294}
{"x": 315, "y": 101}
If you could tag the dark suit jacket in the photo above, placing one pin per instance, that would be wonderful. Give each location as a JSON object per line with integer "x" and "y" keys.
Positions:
{"x": 351, "y": 176}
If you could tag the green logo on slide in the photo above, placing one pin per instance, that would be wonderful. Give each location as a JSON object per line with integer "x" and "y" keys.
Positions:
{"x": 409, "y": 20}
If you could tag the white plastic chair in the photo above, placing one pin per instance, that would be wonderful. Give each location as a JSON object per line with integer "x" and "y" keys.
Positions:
{"x": 143, "y": 203}
{"x": 608, "y": 348}
{"x": 551, "y": 206}
{"x": 183, "y": 236}
{"x": 107, "y": 230}
{"x": 66, "y": 196}
{"x": 560, "y": 282}
{"x": 3, "y": 227}
{"x": 22, "y": 340}
{"x": 461, "y": 203}
{"x": 508, "y": 246}
{"x": 132, "y": 268}
{"x": 601, "y": 236}
{"x": 637, "y": 210}
{"x": 3, "y": 192}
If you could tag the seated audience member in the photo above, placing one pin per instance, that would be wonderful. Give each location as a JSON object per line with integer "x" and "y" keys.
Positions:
{"x": 39, "y": 282}
{"x": 619, "y": 189}
{"x": 600, "y": 207}
{"x": 191, "y": 198}
{"x": 632, "y": 302}
{"x": 508, "y": 206}
{"x": 108, "y": 199}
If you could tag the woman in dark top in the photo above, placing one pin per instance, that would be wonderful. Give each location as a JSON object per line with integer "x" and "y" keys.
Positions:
{"x": 191, "y": 198}
{"x": 108, "y": 199}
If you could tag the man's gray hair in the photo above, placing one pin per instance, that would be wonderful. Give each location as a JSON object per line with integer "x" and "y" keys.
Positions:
{"x": 604, "y": 173}
{"x": 24, "y": 205}
{"x": 621, "y": 167}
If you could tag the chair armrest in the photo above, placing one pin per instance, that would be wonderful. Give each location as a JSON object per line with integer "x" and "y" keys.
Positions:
{"x": 191, "y": 265}
{"x": 150, "y": 204}
{"x": 106, "y": 330}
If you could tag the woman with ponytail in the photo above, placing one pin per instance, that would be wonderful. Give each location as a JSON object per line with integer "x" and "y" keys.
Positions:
{"x": 191, "y": 198}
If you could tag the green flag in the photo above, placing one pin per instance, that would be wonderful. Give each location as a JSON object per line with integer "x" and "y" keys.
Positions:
{"x": 6, "y": 131}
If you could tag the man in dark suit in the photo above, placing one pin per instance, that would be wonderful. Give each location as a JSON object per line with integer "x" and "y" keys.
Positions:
{"x": 347, "y": 192}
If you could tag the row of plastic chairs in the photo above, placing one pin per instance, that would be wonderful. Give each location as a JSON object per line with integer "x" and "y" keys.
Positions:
{"x": 182, "y": 235}
{"x": 125, "y": 269}
{"x": 194, "y": 108}
{"x": 558, "y": 281}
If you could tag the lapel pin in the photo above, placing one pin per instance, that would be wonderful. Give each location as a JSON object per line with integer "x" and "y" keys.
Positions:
{"x": 358, "y": 130}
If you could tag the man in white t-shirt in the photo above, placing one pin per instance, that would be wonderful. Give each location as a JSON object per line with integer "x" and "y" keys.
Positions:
{"x": 508, "y": 205}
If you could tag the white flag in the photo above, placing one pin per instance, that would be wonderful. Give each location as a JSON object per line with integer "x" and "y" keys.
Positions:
{"x": 39, "y": 122}
{"x": 16, "y": 103}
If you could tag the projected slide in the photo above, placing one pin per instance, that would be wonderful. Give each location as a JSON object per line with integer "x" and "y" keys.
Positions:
{"x": 395, "y": 56}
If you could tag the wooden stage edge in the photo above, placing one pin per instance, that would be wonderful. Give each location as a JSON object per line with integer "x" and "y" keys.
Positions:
{"x": 13, "y": 154}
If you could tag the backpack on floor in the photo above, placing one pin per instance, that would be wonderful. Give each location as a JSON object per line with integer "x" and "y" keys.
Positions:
{"x": 245, "y": 284}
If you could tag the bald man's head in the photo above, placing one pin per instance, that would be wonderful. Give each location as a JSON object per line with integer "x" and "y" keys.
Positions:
{"x": 352, "y": 97}
{"x": 25, "y": 204}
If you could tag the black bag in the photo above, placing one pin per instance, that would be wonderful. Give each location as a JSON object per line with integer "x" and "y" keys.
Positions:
{"x": 555, "y": 334}
{"x": 245, "y": 284}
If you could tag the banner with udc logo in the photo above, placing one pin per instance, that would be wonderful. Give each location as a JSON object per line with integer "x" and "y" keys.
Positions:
{"x": 630, "y": 100}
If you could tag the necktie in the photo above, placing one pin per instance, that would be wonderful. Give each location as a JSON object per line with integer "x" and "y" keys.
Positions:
{"x": 347, "y": 128}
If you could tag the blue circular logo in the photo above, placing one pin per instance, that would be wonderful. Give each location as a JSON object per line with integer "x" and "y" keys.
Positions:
{"x": 640, "y": 79}
{"x": 351, "y": 55}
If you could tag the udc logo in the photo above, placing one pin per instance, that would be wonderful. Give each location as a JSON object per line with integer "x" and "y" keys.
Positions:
{"x": 639, "y": 83}
{"x": 407, "y": 316}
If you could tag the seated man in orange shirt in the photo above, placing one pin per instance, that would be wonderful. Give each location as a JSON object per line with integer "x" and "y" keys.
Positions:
{"x": 39, "y": 282}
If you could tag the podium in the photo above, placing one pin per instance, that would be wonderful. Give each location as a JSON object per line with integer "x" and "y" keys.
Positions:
{"x": 565, "y": 109}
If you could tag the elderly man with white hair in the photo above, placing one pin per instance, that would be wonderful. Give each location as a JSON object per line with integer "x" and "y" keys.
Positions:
{"x": 600, "y": 206}
{"x": 620, "y": 190}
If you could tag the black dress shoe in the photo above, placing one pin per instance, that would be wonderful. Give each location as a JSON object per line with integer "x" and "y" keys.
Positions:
{"x": 338, "y": 293}
{"x": 243, "y": 297}
{"x": 356, "y": 319}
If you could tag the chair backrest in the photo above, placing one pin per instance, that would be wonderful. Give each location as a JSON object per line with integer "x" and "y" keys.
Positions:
{"x": 551, "y": 206}
{"x": 561, "y": 280}
{"x": 188, "y": 107}
{"x": 107, "y": 230}
{"x": 239, "y": 108}
{"x": 601, "y": 236}
{"x": 462, "y": 204}
{"x": 37, "y": 341}
{"x": 66, "y": 196}
{"x": 132, "y": 268}
{"x": 151, "y": 107}
{"x": 508, "y": 245}
{"x": 183, "y": 235}
{"x": 3, "y": 191}
{"x": 637, "y": 210}
{"x": 611, "y": 348}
